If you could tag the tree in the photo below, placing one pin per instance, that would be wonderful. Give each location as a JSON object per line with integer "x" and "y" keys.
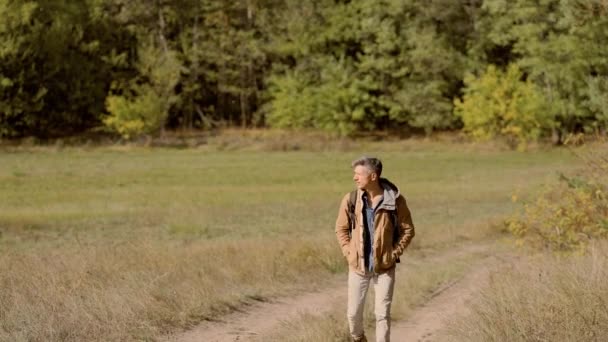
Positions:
{"x": 369, "y": 64}
{"x": 500, "y": 104}
{"x": 52, "y": 69}
{"x": 142, "y": 105}
{"x": 559, "y": 44}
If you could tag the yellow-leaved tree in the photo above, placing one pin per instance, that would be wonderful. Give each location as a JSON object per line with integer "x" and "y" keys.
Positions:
{"x": 501, "y": 104}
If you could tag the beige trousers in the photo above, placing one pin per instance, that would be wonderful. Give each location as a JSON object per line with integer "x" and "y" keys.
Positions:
{"x": 357, "y": 290}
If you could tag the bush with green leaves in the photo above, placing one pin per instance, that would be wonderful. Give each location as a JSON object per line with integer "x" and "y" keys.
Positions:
{"x": 135, "y": 115}
{"x": 498, "y": 103}
{"x": 340, "y": 103}
{"x": 598, "y": 101}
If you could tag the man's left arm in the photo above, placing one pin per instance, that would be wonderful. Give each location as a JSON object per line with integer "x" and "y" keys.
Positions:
{"x": 406, "y": 227}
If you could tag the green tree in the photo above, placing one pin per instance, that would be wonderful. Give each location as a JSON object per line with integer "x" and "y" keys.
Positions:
{"x": 52, "y": 69}
{"x": 141, "y": 105}
{"x": 369, "y": 64}
{"x": 220, "y": 47}
{"x": 145, "y": 107}
{"x": 559, "y": 44}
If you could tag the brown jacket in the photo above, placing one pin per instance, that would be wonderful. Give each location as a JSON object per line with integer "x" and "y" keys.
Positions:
{"x": 386, "y": 251}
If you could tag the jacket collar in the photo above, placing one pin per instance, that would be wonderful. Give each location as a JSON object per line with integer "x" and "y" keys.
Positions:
{"x": 391, "y": 192}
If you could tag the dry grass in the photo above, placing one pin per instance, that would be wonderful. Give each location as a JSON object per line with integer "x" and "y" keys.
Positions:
{"x": 311, "y": 140}
{"x": 267, "y": 139}
{"x": 142, "y": 289}
{"x": 542, "y": 298}
{"x": 330, "y": 327}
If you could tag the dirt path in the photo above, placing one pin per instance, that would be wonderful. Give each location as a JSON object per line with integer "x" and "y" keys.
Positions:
{"x": 446, "y": 303}
{"x": 263, "y": 318}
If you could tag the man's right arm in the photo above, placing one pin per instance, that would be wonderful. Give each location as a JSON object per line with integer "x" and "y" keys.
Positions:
{"x": 343, "y": 226}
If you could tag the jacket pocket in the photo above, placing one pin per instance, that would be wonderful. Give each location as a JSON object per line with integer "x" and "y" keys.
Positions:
{"x": 387, "y": 258}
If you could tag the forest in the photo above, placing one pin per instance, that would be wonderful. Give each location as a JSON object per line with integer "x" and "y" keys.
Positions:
{"x": 522, "y": 69}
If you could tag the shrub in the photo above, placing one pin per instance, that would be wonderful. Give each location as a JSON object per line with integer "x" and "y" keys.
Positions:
{"x": 338, "y": 103}
{"x": 597, "y": 93}
{"x": 140, "y": 114}
{"x": 500, "y": 104}
{"x": 569, "y": 215}
{"x": 144, "y": 106}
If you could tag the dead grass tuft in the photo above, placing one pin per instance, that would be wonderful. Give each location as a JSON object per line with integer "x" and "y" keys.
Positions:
{"x": 144, "y": 289}
{"x": 548, "y": 298}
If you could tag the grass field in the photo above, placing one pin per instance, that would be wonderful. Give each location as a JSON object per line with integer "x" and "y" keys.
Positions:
{"x": 114, "y": 244}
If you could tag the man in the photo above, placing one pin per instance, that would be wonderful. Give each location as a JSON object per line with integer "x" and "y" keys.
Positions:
{"x": 372, "y": 248}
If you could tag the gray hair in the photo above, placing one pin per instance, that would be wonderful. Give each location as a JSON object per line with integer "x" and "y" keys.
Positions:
{"x": 371, "y": 163}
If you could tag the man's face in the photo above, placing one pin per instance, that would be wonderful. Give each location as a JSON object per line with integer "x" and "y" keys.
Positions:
{"x": 363, "y": 176}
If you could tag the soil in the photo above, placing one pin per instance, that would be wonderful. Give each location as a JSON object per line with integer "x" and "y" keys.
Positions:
{"x": 448, "y": 302}
{"x": 264, "y": 317}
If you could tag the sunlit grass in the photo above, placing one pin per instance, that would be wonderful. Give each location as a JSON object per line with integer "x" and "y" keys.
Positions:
{"x": 541, "y": 298}
{"x": 250, "y": 194}
{"x": 116, "y": 243}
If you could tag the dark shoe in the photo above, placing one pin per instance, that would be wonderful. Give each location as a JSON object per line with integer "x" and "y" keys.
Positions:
{"x": 360, "y": 339}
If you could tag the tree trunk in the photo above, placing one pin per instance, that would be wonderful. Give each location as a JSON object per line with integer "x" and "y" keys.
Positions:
{"x": 194, "y": 70}
{"x": 246, "y": 80}
{"x": 165, "y": 47}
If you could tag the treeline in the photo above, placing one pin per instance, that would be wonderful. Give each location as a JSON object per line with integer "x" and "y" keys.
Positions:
{"x": 520, "y": 68}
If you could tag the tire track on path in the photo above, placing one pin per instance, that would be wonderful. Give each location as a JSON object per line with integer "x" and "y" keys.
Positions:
{"x": 427, "y": 321}
{"x": 254, "y": 322}
{"x": 263, "y": 318}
